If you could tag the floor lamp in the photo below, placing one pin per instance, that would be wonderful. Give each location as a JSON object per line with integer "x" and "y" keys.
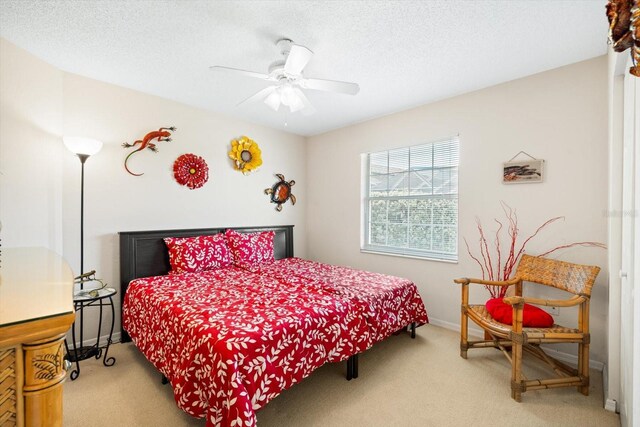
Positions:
{"x": 83, "y": 148}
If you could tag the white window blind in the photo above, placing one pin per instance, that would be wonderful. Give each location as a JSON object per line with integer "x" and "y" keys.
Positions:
{"x": 411, "y": 200}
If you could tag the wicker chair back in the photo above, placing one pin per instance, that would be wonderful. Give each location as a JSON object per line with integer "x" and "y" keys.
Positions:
{"x": 575, "y": 278}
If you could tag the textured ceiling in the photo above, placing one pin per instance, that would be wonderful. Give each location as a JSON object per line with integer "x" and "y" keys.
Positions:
{"x": 402, "y": 53}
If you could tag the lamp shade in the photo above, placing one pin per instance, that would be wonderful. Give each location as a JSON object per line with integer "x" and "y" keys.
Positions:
{"x": 285, "y": 95}
{"x": 273, "y": 100}
{"x": 86, "y": 146}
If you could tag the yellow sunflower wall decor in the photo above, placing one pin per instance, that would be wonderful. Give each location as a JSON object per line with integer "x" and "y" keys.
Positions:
{"x": 246, "y": 155}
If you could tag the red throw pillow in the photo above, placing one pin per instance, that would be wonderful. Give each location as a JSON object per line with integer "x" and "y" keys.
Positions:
{"x": 533, "y": 317}
{"x": 251, "y": 249}
{"x": 195, "y": 254}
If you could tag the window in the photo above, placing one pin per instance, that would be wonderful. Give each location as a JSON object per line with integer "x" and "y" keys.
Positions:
{"x": 411, "y": 201}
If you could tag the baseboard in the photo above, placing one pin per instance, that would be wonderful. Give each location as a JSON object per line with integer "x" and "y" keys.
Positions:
{"x": 605, "y": 385}
{"x": 478, "y": 333}
{"x": 571, "y": 359}
{"x": 444, "y": 324}
{"x": 103, "y": 340}
{"x": 472, "y": 332}
{"x": 116, "y": 337}
{"x": 610, "y": 405}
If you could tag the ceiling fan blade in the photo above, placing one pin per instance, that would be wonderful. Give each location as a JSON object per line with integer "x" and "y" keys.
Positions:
{"x": 308, "y": 107}
{"x": 299, "y": 56}
{"x": 261, "y": 95}
{"x": 331, "y": 86}
{"x": 243, "y": 72}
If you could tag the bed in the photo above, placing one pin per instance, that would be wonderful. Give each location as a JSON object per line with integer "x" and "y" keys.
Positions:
{"x": 231, "y": 339}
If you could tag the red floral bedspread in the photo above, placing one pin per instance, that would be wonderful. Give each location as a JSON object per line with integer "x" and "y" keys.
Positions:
{"x": 387, "y": 303}
{"x": 230, "y": 340}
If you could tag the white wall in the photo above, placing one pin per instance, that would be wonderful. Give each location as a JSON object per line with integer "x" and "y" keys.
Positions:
{"x": 30, "y": 150}
{"x": 559, "y": 116}
{"x": 116, "y": 201}
{"x": 42, "y": 197}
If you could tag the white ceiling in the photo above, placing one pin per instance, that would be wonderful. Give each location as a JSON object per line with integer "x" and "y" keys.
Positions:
{"x": 402, "y": 53}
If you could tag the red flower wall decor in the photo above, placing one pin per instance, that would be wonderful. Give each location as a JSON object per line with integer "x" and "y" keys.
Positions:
{"x": 191, "y": 170}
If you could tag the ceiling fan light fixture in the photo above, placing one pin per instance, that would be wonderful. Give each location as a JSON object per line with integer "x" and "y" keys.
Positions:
{"x": 287, "y": 96}
{"x": 273, "y": 100}
{"x": 296, "y": 104}
{"x": 284, "y": 95}
{"x": 290, "y": 98}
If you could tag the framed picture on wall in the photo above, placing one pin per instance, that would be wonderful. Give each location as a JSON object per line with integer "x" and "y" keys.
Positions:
{"x": 521, "y": 172}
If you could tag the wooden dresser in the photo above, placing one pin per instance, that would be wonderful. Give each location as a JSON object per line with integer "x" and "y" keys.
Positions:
{"x": 36, "y": 311}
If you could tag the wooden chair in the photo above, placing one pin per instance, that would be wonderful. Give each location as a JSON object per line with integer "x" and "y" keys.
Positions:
{"x": 574, "y": 278}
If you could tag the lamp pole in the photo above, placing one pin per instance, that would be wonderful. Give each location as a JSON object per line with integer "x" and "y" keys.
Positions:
{"x": 83, "y": 158}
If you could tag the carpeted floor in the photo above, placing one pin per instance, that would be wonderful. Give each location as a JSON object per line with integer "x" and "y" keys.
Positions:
{"x": 403, "y": 382}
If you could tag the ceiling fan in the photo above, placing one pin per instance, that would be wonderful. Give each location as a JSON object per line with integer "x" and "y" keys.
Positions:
{"x": 289, "y": 82}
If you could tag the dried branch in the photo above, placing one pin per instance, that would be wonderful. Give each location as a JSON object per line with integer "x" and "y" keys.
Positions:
{"x": 498, "y": 249}
{"x": 550, "y": 221}
{"x": 571, "y": 245}
{"x": 474, "y": 258}
{"x": 513, "y": 234}
{"x": 512, "y": 258}
{"x": 484, "y": 250}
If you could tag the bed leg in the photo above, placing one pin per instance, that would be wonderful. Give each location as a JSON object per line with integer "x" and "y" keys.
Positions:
{"x": 354, "y": 366}
{"x": 165, "y": 380}
{"x": 413, "y": 330}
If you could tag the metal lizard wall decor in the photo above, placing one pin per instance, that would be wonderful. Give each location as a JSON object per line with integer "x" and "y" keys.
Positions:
{"x": 162, "y": 134}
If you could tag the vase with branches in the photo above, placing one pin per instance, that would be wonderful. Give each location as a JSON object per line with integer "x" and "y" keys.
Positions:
{"x": 498, "y": 264}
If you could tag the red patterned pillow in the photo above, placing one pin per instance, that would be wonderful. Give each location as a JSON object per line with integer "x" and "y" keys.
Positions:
{"x": 200, "y": 253}
{"x": 532, "y": 317}
{"x": 251, "y": 249}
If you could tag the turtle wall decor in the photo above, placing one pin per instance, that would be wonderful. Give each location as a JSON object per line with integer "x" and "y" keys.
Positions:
{"x": 281, "y": 192}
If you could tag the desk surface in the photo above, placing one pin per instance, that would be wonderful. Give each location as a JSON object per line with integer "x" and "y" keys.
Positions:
{"x": 35, "y": 283}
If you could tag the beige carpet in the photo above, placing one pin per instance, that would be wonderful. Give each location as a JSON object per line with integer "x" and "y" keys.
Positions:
{"x": 403, "y": 382}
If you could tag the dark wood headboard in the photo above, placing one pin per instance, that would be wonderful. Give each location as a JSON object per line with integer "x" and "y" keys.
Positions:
{"x": 144, "y": 254}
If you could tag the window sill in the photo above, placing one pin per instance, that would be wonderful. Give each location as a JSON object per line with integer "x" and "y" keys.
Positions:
{"x": 424, "y": 258}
